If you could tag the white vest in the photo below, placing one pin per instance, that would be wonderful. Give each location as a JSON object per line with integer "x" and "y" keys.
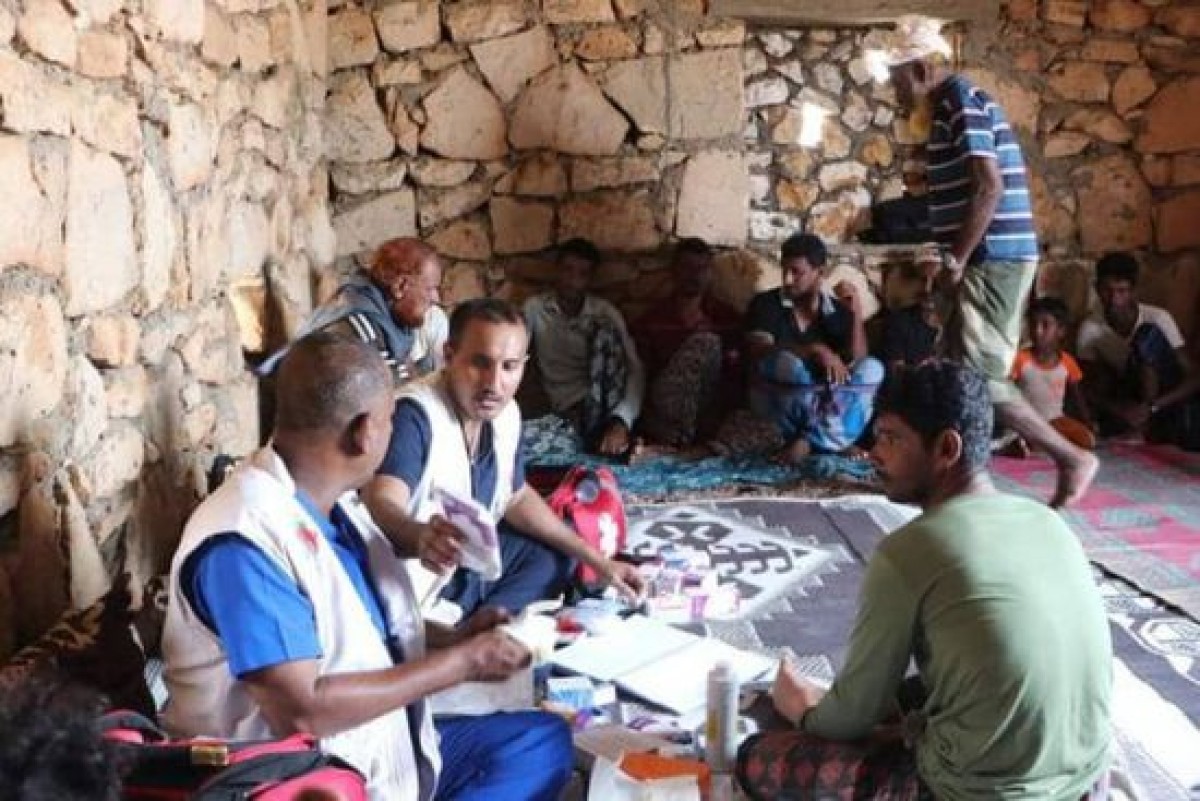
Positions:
{"x": 449, "y": 465}
{"x": 258, "y": 502}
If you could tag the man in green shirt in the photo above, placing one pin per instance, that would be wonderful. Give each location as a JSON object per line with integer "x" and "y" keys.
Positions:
{"x": 991, "y": 596}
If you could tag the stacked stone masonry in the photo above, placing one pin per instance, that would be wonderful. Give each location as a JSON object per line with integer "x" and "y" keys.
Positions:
{"x": 157, "y": 155}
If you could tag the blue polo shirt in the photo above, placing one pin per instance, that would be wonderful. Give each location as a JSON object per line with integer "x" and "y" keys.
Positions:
{"x": 968, "y": 124}
{"x": 259, "y": 613}
{"x": 408, "y": 453}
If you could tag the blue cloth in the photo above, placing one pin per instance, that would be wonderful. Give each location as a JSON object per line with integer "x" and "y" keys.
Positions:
{"x": 771, "y": 313}
{"x": 518, "y": 756}
{"x": 255, "y": 608}
{"x": 532, "y": 572}
{"x": 967, "y": 124}
{"x": 830, "y": 417}
{"x": 408, "y": 452}
{"x": 553, "y": 445}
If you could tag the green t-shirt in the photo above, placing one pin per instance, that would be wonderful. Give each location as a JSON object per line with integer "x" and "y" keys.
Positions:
{"x": 993, "y": 598}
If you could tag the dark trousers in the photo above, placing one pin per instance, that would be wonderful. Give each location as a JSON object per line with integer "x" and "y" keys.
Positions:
{"x": 532, "y": 572}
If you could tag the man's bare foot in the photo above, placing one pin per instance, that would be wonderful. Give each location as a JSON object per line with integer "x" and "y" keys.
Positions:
{"x": 1074, "y": 479}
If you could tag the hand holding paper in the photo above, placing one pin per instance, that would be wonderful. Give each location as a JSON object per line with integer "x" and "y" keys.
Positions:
{"x": 479, "y": 544}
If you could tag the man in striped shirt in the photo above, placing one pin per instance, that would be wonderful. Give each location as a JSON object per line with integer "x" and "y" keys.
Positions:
{"x": 980, "y": 211}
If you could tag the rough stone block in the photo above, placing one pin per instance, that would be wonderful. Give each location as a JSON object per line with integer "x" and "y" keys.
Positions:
{"x": 465, "y": 120}
{"x": 1181, "y": 20}
{"x": 33, "y": 101}
{"x": 615, "y": 220}
{"x": 8, "y": 28}
{"x": 1134, "y": 86}
{"x": 126, "y": 391}
{"x": 1177, "y": 222}
{"x": 33, "y": 360}
{"x": 191, "y": 145}
{"x": 399, "y": 72}
{"x": 100, "y": 265}
{"x": 610, "y": 43}
{"x": 366, "y": 226}
{"x": 113, "y": 340}
{"x": 408, "y": 26}
{"x": 1118, "y": 15}
{"x": 540, "y": 175}
{"x": 254, "y": 43}
{"x": 1080, "y": 81}
{"x": 839, "y": 220}
{"x": 1114, "y": 205}
{"x": 102, "y": 55}
{"x": 587, "y": 175}
{"x": 877, "y": 151}
{"x": 49, "y": 31}
{"x": 509, "y": 63}
{"x": 1065, "y": 145}
{"x": 707, "y": 96}
{"x": 109, "y": 123}
{"x": 1121, "y": 51}
{"x": 355, "y": 129}
{"x": 566, "y": 12}
{"x": 521, "y": 226}
{"x": 160, "y": 237}
{"x": 476, "y": 21}
{"x": 177, "y": 20}
{"x": 436, "y": 206}
{"x": 1101, "y": 124}
{"x": 797, "y": 196}
{"x": 1170, "y": 123}
{"x": 1072, "y": 13}
{"x": 565, "y": 111}
{"x": 116, "y": 461}
{"x": 376, "y": 176}
{"x": 463, "y": 239}
{"x": 85, "y": 396}
{"x": 771, "y": 91}
{"x": 31, "y": 218}
{"x": 842, "y": 175}
{"x": 441, "y": 172}
{"x": 713, "y": 199}
{"x": 722, "y": 33}
{"x": 352, "y": 39}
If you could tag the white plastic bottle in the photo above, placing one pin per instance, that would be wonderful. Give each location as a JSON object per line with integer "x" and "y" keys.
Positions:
{"x": 720, "y": 730}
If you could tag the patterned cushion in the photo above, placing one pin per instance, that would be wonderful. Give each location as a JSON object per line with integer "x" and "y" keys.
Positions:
{"x": 95, "y": 647}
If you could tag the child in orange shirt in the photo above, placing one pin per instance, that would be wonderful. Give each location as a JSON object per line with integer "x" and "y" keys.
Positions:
{"x": 1049, "y": 376}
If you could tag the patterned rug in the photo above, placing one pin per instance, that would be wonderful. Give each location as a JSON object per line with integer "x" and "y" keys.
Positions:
{"x": 809, "y": 612}
{"x": 1141, "y": 520}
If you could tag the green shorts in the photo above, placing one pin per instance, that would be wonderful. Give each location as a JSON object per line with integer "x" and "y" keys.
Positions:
{"x": 984, "y": 329}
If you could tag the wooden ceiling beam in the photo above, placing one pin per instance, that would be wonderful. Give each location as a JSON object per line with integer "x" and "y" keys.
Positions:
{"x": 852, "y": 13}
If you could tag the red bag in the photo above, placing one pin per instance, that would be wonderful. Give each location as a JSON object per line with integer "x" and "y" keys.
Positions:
{"x": 589, "y": 499}
{"x": 155, "y": 768}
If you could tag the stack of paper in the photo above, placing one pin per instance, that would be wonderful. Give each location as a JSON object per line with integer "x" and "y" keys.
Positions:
{"x": 658, "y": 663}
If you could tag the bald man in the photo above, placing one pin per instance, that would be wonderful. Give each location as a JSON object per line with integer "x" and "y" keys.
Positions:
{"x": 392, "y": 305}
{"x": 289, "y": 611}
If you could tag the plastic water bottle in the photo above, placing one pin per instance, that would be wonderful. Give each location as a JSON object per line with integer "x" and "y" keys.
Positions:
{"x": 720, "y": 729}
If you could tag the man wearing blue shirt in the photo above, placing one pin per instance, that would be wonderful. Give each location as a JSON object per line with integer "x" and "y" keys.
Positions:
{"x": 460, "y": 432}
{"x": 980, "y": 211}
{"x": 289, "y": 611}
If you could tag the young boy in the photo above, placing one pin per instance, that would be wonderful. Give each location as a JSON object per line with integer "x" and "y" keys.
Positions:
{"x": 1049, "y": 377}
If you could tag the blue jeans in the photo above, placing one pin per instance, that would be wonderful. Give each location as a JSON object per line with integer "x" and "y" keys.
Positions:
{"x": 532, "y": 572}
{"x": 514, "y": 756}
{"x": 830, "y": 417}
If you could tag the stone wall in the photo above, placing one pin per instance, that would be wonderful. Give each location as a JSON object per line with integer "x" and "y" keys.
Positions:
{"x": 1106, "y": 95}
{"x": 159, "y": 158}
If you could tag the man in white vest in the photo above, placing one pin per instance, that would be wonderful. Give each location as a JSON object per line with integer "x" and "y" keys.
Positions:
{"x": 460, "y": 431}
{"x": 289, "y": 611}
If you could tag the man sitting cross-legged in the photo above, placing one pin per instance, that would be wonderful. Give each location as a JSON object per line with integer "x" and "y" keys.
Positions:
{"x": 810, "y": 372}
{"x": 689, "y": 343}
{"x": 289, "y": 611}
{"x": 991, "y": 595}
{"x": 1137, "y": 374}
{"x": 461, "y": 431}
{"x": 586, "y": 361}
